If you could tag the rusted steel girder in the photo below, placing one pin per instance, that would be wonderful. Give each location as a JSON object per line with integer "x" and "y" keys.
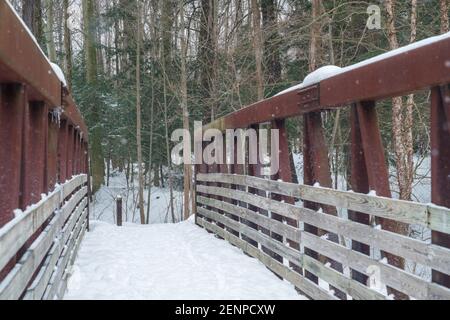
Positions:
{"x": 440, "y": 164}
{"x": 22, "y": 61}
{"x": 12, "y": 107}
{"x": 399, "y": 74}
{"x": 316, "y": 168}
{"x": 359, "y": 180}
{"x": 62, "y": 151}
{"x": 52, "y": 154}
{"x": 369, "y": 171}
{"x": 34, "y": 164}
{"x": 70, "y": 147}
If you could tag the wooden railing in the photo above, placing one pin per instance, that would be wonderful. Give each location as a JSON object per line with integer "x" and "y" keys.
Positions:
{"x": 296, "y": 231}
{"x": 417, "y": 251}
{"x": 41, "y": 272}
{"x": 43, "y": 150}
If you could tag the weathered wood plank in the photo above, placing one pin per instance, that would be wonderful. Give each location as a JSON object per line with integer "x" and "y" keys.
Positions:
{"x": 416, "y": 250}
{"x": 69, "y": 187}
{"x": 73, "y": 254}
{"x": 64, "y": 258}
{"x": 391, "y": 276}
{"x": 306, "y": 286}
{"x": 16, "y": 282}
{"x": 439, "y": 219}
{"x": 404, "y": 211}
{"x": 39, "y": 284}
{"x": 247, "y": 214}
{"x": 278, "y": 247}
{"x": 353, "y": 288}
{"x": 14, "y": 234}
{"x": 400, "y": 245}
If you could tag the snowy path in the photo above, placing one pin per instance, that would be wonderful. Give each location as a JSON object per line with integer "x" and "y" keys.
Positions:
{"x": 168, "y": 261}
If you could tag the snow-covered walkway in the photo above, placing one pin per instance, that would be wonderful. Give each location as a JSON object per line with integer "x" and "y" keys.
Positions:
{"x": 168, "y": 261}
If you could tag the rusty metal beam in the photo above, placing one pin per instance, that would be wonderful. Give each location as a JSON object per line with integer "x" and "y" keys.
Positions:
{"x": 73, "y": 115}
{"x": 62, "y": 151}
{"x": 52, "y": 154}
{"x": 34, "y": 161}
{"x": 69, "y": 156}
{"x": 366, "y": 134}
{"x": 400, "y": 74}
{"x": 12, "y": 106}
{"x": 21, "y": 60}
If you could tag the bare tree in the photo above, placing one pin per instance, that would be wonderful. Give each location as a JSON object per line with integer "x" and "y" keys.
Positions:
{"x": 256, "y": 14}
{"x": 138, "y": 111}
{"x": 444, "y": 16}
{"x": 184, "y": 108}
{"x": 67, "y": 45}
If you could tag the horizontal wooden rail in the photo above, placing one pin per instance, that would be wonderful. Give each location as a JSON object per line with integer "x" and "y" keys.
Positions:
{"x": 215, "y": 203}
{"x": 66, "y": 210}
{"x": 14, "y": 234}
{"x": 433, "y": 217}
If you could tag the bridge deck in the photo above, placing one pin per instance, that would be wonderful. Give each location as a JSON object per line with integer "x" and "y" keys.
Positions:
{"x": 171, "y": 261}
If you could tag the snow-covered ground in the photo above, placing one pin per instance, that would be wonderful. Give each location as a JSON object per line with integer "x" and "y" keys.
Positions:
{"x": 168, "y": 261}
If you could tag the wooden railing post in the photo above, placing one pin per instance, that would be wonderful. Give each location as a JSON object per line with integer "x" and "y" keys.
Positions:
{"x": 440, "y": 165}
{"x": 119, "y": 210}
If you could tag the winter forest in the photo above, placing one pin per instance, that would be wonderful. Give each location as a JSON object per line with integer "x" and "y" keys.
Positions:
{"x": 357, "y": 207}
{"x": 140, "y": 69}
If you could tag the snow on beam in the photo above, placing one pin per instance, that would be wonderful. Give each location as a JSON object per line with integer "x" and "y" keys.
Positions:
{"x": 22, "y": 60}
{"x": 418, "y": 66}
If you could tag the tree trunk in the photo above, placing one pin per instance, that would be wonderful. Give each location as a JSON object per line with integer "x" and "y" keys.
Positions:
{"x": 167, "y": 23}
{"x": 184, "y": 107}
{"x": 67, "y": 46}
{"x": 315, "y": 37}
{"x": 32, "y": 16}
{"x": 156, "y": 176}
{"x": 256, "y": 13}
{"x": 271, "y": 44}
{"x": 138, "y": 113}
{"x": 444, "y": 16}
{"x": 400, "y": 149}
{"x": 98, "y": 165}
{"x": 51, "y": 50}
{"x": 207, "y": 58}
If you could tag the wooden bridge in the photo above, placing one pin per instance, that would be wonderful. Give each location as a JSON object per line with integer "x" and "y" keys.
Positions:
{"x": 292, "y": 229}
